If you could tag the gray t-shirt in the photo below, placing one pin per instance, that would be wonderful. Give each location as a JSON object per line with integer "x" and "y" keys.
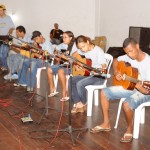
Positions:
{"x": 5, "y": 24}
{"x": 47, "y": 46}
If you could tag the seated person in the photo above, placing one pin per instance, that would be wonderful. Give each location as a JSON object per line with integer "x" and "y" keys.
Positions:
{"x": 56, "y": 35}
{"x": 15, "y": 61}
{"x": 96, "y": 54}
{"x": 68, "y": 45}
{"x": 29, "y": 79}
{"x": 138, "y": 59}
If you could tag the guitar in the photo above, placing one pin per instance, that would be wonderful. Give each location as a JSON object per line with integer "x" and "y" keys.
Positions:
{"x": 129, "y": 77}
{"x": 85, "y": 62}
{"x": 85, "y": 67}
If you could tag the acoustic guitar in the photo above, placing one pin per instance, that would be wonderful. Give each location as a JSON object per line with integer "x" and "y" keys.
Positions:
{"x": 129, "y": 77}
{"x": 85, "y": 67}
{"x": 80, "y": 61}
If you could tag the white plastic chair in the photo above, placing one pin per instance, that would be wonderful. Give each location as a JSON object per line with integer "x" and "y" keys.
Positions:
{"x": 93, "y": 89}
{"x": 118, "y": 113}
{"x": 139, "y": 117}
{"x": 38, "y": 77}
{"x": 56, "y": 81}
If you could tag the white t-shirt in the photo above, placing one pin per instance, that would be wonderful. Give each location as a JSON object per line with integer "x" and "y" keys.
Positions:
{"x": 26, "y": 38}
{"x": 5, "y": 24}
{"x": 97, "y": 56}
{"x": 47, "y": 46}
{"x": 142, "y": 66}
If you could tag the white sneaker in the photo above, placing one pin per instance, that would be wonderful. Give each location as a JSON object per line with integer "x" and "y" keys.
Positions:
{"x": 14, "y": 76}
{"x": 18, "y": 84}
{"x": 7, "y": 77}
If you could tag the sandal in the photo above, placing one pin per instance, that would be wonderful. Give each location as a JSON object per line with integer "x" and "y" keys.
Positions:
{"x": 99, "y": 129}
{"x": 77, "y": 110}
{"x": 64, "y": 99}
{"x": 127, "y": 137}
{"x": 53, "y": 94}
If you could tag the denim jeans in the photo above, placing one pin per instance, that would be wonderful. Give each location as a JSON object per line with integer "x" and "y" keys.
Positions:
{"x": 4, "y": 49}
{"x": 28, "y": 76}
{"x": 15, "y": 62}
{"x": 133, "y": 98}
{"x": 78, "y": 87}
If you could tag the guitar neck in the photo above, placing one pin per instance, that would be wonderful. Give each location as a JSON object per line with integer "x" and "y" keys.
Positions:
{"x": 133, "y": 80}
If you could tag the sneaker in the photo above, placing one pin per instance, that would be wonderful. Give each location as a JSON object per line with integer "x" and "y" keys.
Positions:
{"x": 9, "y": 76}
{"x": 14, "y": 76}
{"x": 29, "y": 89}
{"x": 18, "y": 84}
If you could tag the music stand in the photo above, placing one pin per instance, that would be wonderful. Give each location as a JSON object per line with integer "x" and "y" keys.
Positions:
{"x": 69, "y": 129}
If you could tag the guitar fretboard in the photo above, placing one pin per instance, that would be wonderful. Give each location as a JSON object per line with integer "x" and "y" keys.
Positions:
{"x": 131, "y": 79}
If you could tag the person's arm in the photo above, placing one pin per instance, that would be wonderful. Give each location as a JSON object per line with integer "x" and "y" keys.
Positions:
{"x": 11, "y": 31}
{"x": 11, "y": 25}
{"x": 51, "y": 34}
{"x": 115, "y": 64}
{"x": 117, "y": 74}
{"x": 139, "y": 87}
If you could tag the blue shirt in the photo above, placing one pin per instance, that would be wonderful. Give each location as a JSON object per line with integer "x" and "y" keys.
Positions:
{"x": 5, "y": 24}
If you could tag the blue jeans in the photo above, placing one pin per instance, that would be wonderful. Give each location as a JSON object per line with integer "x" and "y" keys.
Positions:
{"x": 78, "y": 87}
{"x": 133, "y": 98}
{"x": 4, "y": 49}
{"x": 26, "y": 76}
{"x": 15, "y": 62}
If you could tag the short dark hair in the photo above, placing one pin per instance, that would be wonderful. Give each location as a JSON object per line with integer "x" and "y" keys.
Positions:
{"x": 21, "y": 29}
{"x": 128, "y": 41}
{"x": 35, "y": 34}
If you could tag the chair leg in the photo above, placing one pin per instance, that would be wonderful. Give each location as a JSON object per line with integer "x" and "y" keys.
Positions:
{"x": 89, "y": 102}
{"x": 119, "y": 110}
{"x": 55, "y": 78}
{"x": 67, "y": 79}
{"x": 142, "y": 120}
{"x": 136, "y": 127}
{"x": 38, "y": 76}
{"x": 96, "y": 98}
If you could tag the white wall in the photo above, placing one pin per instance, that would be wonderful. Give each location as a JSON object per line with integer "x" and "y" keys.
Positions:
{"x": 118, "y": 15}
{"x": 75, "y": 15}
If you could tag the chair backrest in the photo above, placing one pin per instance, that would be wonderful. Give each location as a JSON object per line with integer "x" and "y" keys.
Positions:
{"x": 109, "y": 60}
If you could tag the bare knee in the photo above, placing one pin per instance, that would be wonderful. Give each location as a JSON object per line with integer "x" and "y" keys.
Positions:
{"x": 49, "y": 71}
{"x": 126, "y": 106}
{"x": 102, "y": 93}
{"x": 61, "y": 72}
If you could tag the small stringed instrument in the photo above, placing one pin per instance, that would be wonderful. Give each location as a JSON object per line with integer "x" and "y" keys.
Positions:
{"x": 130, "y": 77}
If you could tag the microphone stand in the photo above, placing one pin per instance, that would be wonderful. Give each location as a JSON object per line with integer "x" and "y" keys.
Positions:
{"x": 69, "y": 129}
